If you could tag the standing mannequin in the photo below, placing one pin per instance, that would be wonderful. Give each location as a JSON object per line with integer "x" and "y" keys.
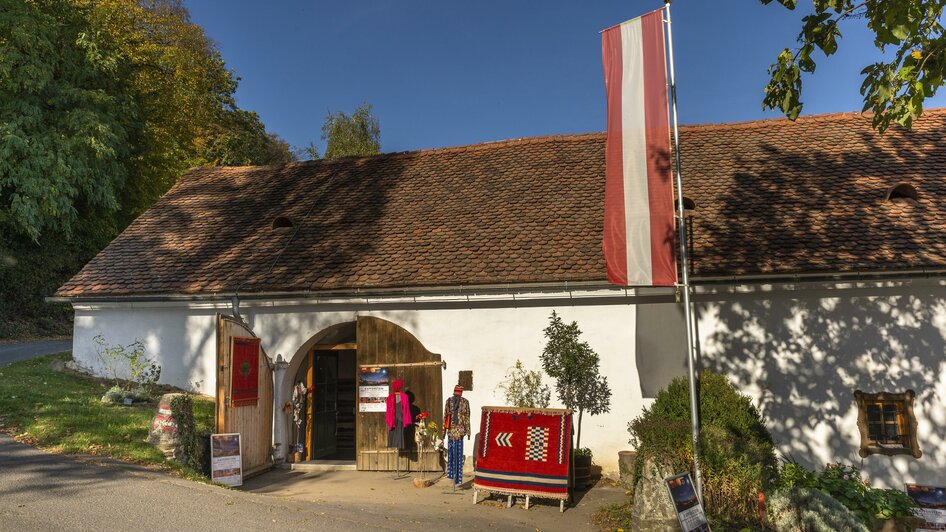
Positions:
{"x": 456, "y": 415}
{"x": 397, "y": 415}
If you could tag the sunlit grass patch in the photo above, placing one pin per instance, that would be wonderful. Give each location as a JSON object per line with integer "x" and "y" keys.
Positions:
{"x": 63, "y": 412}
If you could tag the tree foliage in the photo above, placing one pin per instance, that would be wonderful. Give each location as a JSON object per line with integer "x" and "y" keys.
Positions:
{"x": 575, "y": 368}
{"x": 66, "y": 116}
{"x": 351, "y": 135}
{"x": 104, "y": 104}
{"x": 894, "y": 90}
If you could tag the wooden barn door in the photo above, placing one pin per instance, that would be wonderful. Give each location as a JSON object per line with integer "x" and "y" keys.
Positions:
{"x": 383, "y": 344}
{"x": 252, "y": 419}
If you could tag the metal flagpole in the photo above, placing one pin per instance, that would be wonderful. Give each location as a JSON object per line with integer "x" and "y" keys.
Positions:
{"x": 684, "y": 260}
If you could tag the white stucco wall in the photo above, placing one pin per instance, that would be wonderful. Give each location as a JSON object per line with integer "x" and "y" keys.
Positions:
{"x": 799, "y": 350}
{"x": 485, "y": 335}
{"x": 802, "y": 352}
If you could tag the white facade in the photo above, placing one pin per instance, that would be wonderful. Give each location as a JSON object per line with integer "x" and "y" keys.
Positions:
{"x": 799, "y": 350}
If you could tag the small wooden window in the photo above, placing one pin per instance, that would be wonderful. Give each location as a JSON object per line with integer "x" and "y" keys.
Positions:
{"x": 886, "y": 423}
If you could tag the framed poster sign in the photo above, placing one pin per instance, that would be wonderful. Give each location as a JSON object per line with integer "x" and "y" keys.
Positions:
{"x": 373, "y": 389}
{"x": 687, "y": 505}
{"x": 932, "y": 506}
{"x": 226, "y": 459}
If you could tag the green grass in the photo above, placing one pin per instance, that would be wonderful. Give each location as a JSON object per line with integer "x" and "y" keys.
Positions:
{"x": 63, "y": 413}
{"x": 615, "y": 516}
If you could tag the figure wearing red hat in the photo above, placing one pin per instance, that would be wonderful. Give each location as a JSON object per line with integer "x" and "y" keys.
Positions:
{"x": 456, "y": 415}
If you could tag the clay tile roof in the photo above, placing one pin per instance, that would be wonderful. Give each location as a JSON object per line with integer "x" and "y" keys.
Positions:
{"x": 771, "y": 196}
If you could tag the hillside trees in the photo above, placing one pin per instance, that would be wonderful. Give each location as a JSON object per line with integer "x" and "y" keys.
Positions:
{"x": 103, "y": 105}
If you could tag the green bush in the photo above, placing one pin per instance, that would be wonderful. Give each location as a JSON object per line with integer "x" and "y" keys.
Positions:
{"x": 811, "y": 510}
{"x": 737, "y": 459}
{"x": 794, "y": 475}
{"x": 194, "y": 448}
{"x": 871, "y": 505}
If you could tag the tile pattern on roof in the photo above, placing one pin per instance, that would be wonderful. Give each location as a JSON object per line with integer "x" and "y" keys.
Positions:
{"x": 772, "y": 196}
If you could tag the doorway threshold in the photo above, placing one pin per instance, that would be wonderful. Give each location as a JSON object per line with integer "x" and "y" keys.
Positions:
{"x": 323, "y": 465}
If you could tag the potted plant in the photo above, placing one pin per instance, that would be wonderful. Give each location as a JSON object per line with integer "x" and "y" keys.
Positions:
{"x": 427, "y": 433}
{"x": 582, "y": 462}
{"x": 580, "y": 386}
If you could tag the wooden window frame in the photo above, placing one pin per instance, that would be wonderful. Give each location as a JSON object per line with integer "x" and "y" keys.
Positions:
{"x": 906, "y": 420}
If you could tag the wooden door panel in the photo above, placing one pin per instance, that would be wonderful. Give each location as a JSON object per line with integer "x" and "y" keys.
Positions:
{"x": 384, "y": 344}
{"x": 253, "y": 422}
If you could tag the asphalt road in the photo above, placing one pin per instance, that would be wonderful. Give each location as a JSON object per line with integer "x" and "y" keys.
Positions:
{"x": 40, "y": 491}
{"x": 10, "y": 353}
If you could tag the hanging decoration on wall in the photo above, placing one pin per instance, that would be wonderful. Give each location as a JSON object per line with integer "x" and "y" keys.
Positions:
{"x": 524, "y": 451}
{"x": 244, "y": 372}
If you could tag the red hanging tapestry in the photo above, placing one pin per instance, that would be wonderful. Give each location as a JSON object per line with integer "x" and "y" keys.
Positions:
{"x": 524, "y": 451}
{"x": 244, "y": 372}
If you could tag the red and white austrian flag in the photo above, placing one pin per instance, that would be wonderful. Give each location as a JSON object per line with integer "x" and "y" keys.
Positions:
{"x": 638, "y": 204}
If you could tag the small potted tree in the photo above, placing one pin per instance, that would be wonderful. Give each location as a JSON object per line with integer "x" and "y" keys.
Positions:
{"x": 578, "y": 382}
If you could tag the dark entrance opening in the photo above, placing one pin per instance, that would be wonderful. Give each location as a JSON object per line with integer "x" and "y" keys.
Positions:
{"x": 333, "y": 405}
{"x": 329, "y": 372}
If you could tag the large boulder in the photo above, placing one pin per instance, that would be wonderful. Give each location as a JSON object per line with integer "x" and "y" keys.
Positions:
{"x": 164, "y": 430}
{"x": 652, "y": 510}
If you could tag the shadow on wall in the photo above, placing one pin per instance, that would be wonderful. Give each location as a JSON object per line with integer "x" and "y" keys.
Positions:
{"x": 802, "y": 355}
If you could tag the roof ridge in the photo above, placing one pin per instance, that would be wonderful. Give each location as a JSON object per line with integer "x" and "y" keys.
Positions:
{"x": 781, "y": 120}
{"x": 568, "y": 137}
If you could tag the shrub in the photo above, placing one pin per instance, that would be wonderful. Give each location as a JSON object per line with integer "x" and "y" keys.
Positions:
{"x": 793, "y": 509}
{"x": 121, "y": 361}
{"x": 871, "y": 505}
{"x": 193, "y": 449}
{"x": 794, "y": 475}
{"x": 737, "y": 459}
{"x": 844, "y": 484}
{"x": 117, "y": 395}
{"x": 524, "y": 388}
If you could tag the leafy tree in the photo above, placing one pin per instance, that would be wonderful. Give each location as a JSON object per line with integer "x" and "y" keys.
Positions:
{"x": 358, "y": 134}
{"x": 524, "y": 388}
{"x": 894, "y": 90}
{"x": 574, "y": 366}
{"x": 66, "y": 118}
{"x": 103, "y": 105}
{"x": 241, "y": 140}
{"x": 309, "y": 152}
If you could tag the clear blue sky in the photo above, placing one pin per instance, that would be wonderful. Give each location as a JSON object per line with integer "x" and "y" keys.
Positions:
{"x": 449, "y": 73}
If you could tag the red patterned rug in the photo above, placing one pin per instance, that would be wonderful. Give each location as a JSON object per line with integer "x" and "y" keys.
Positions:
{"x": 524, "y": 451}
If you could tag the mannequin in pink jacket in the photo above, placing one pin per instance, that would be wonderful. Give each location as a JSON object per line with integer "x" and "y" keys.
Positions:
{"x": 397, "y": 415}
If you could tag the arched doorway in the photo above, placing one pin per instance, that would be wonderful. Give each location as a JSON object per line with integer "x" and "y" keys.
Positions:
{"x": 345, "y": 366}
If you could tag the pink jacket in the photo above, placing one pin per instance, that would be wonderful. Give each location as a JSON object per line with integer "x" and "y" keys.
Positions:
{"x": 390, "y": 414}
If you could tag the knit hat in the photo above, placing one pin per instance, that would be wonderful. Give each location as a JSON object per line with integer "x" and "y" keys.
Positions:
{"x": 458, "y": 390}
{"x": 397, "y": 385}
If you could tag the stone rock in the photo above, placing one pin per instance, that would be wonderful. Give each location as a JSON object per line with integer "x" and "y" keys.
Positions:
{"x": 626, "y": 462}
{"x": 652, "y": 510}
{"x": 58, "y": 366}
{"x": 72, "y": 365}
{"x": 164, "y": 433}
